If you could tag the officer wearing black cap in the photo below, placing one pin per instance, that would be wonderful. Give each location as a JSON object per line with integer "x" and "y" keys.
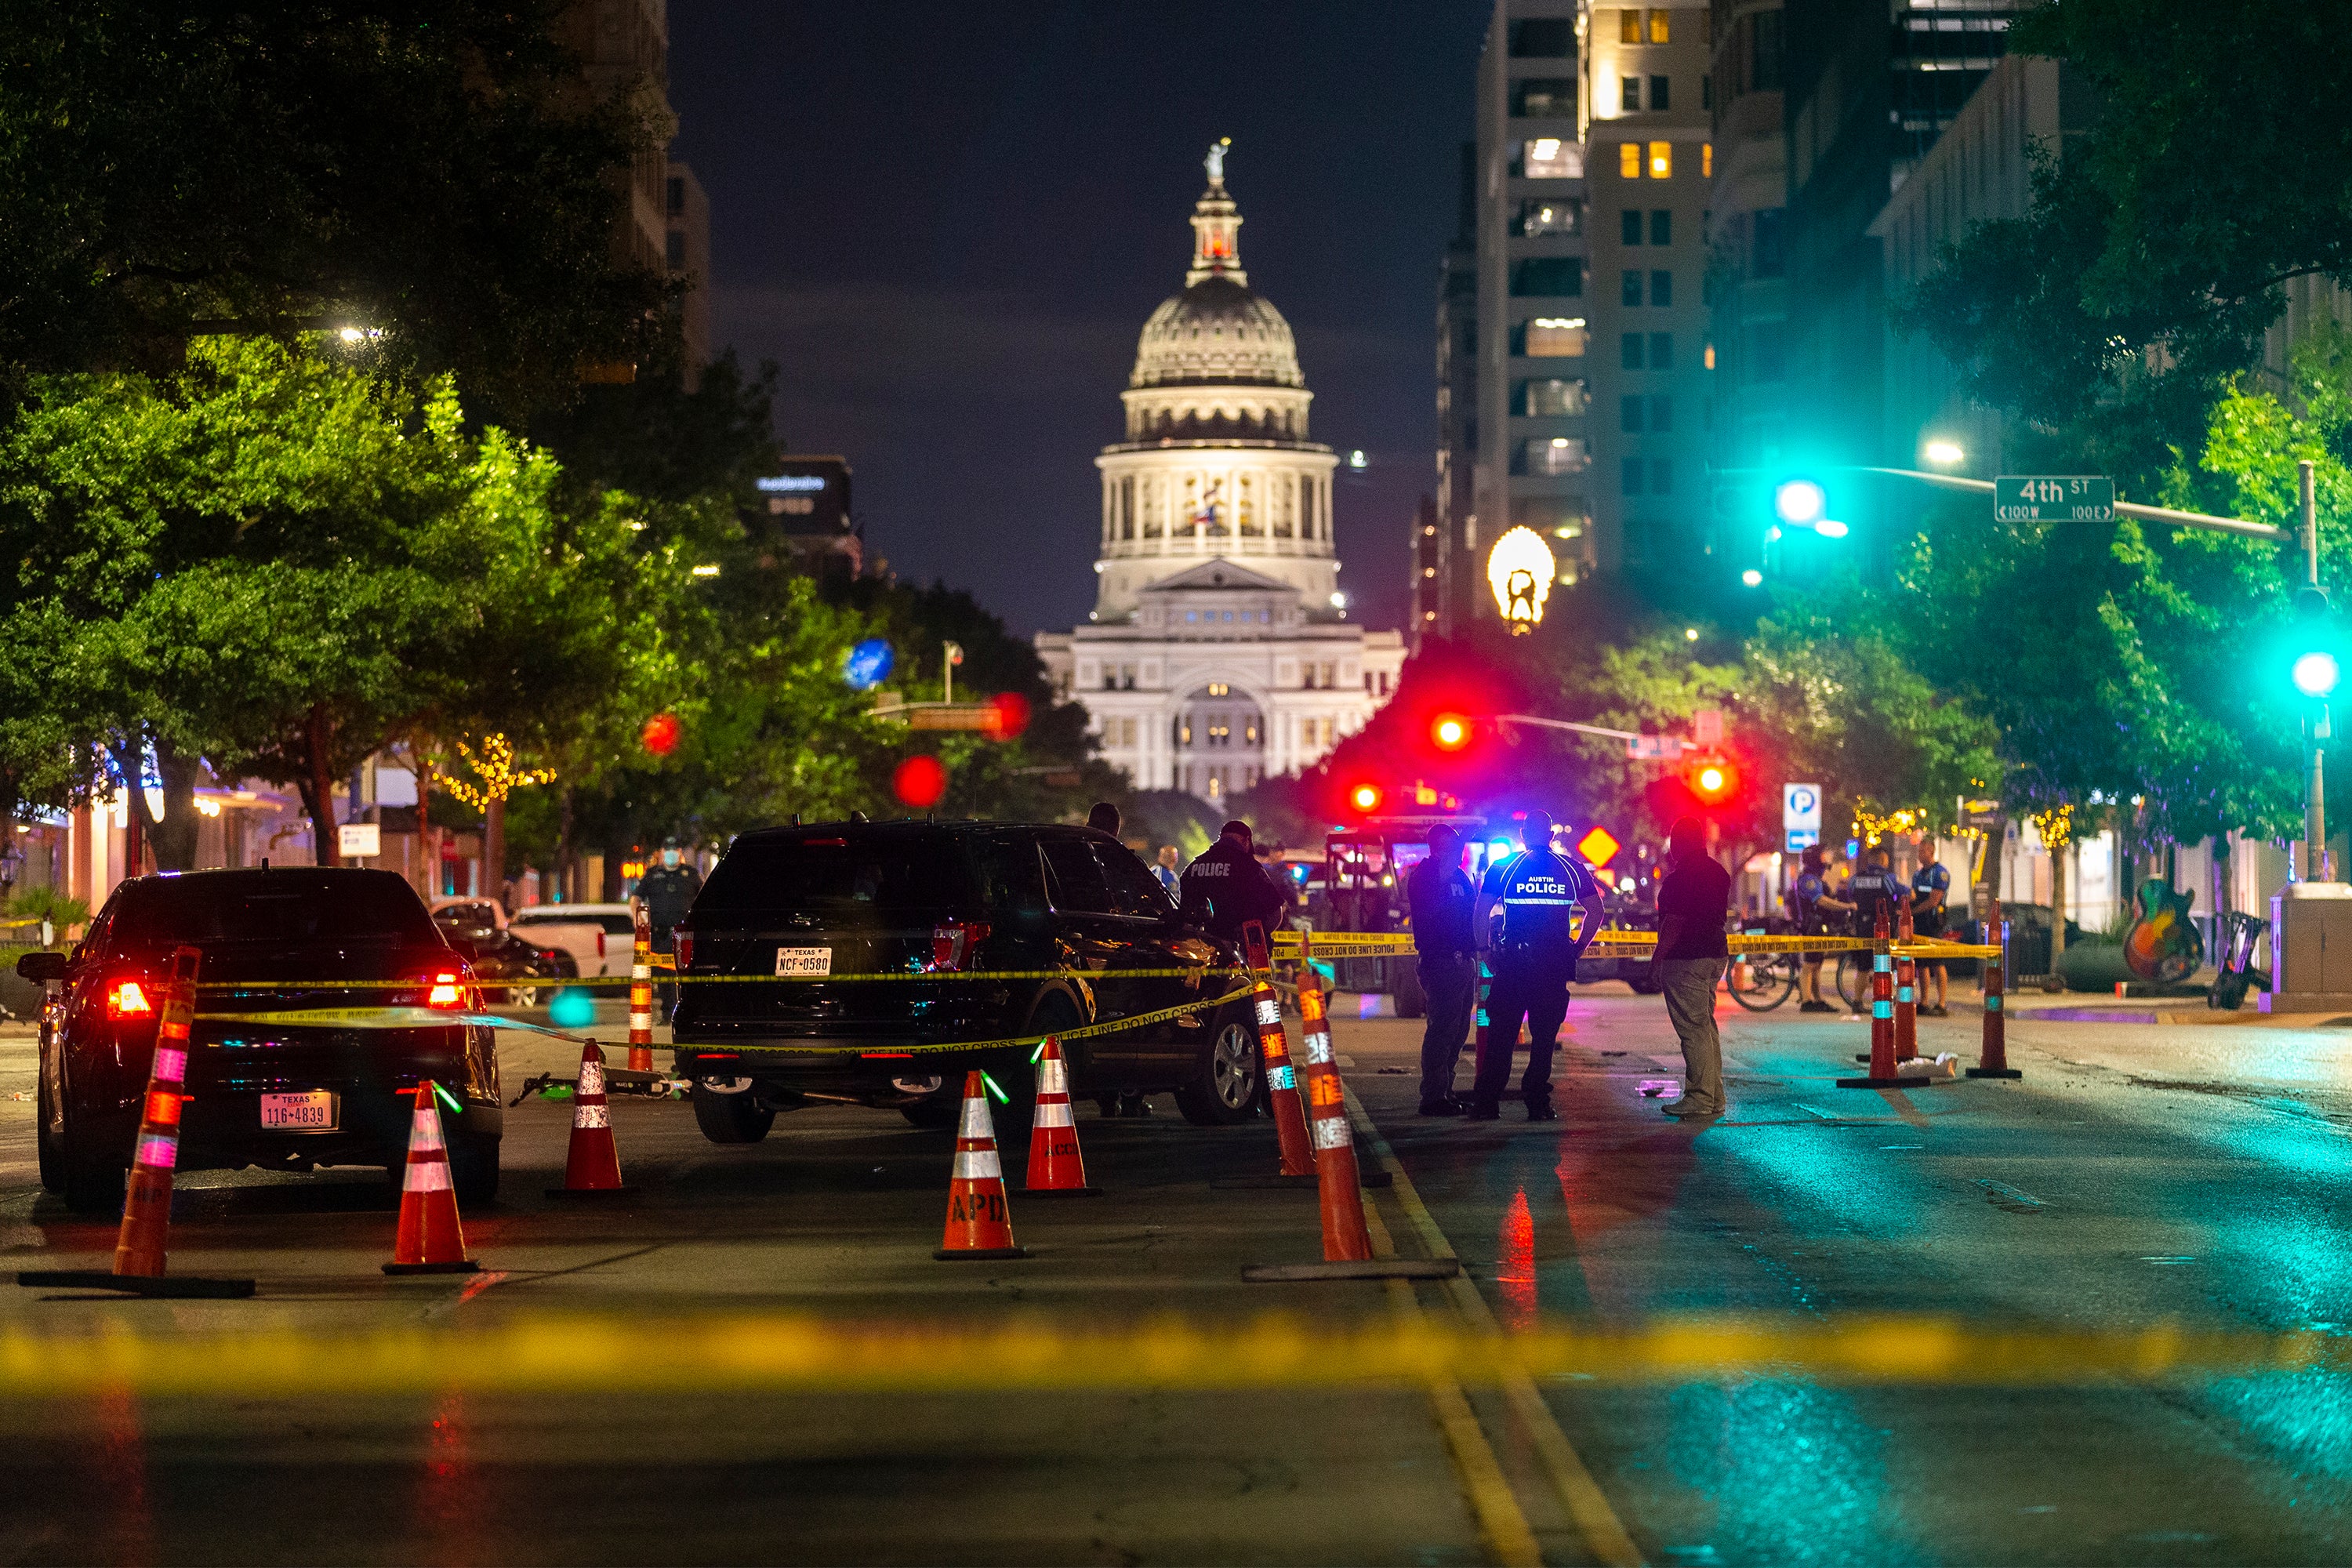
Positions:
{"x": 1225, "y": 888}
{"x": 1536, "y": 944}
{"x": 667, "y": 891}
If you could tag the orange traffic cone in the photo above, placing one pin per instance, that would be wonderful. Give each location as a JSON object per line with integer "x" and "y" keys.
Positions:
{"x": 431, "y": 1240}
{"x": 641, "y": 995}
{"x": 1054, "y": 1162}
{"x": 979, "y": 1224}
{"x": 1344, "y": 1238}
{"x": 147, "y": 1205}
{"x": 592, "y": 1169}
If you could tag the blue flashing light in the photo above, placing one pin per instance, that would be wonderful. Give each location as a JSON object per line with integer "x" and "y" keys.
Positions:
{"x": 869, "y": 664}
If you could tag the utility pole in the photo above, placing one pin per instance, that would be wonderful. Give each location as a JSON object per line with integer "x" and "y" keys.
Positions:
{"x": 2314, "y": 805}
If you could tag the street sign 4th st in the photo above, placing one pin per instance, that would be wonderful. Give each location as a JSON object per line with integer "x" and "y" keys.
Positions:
{"x": 2053, "y": 497}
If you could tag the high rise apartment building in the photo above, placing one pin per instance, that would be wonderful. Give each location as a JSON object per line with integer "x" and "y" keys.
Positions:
{"x": 687, "y": 257}
{"x": 1589, "y": 257}
{"x": 1748, "y": 279}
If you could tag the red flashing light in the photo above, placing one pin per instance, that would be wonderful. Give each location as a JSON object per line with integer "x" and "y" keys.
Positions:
{"x": 1712, "y": 781}
{"x": 1007, "y": 716}
{"x": 920, "y": 781}
{"x": 1449, "y": 731}
{"x": 128, "y": 999}
{"x": 1365, "y": 797}
{"x": 661, "y": 734}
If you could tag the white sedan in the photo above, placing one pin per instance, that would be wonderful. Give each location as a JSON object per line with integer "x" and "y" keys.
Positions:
{"x": 599, "y": 937}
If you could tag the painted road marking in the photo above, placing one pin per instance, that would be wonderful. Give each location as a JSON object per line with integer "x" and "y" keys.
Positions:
{"x": 2001, "y": 1195}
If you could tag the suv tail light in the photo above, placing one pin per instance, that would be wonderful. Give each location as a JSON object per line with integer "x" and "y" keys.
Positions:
{"x": 128, "y": 999}
{"x": 600, "y": 942}
{"x": 953, "y": 941}
{"x": 682, "y": 948}
{"x": 446, "y": 993}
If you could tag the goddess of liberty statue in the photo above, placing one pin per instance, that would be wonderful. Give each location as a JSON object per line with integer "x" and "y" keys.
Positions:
{"x": 1215, "y": 161}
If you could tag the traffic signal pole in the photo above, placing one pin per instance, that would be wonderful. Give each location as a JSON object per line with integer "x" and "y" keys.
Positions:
{"x": 2314, "y": 805}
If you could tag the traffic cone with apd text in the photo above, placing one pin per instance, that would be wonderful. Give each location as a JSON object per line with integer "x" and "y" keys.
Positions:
{"x": 591, "y": 1169}
{"x": 1055, "y": 1165}
{"x": 147, "y": 1207}
{"x": 980, "y": 1225}
{"x": 430, "y": 1241}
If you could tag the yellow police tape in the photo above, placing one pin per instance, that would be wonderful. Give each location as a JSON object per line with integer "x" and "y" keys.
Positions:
{"x": 735, "y": 1353}
{"x": 1616, "y": 942}
{"x": 428, "y": 1017}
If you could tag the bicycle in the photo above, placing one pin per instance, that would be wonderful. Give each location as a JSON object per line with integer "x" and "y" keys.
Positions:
{"x": 1760, "y": 982}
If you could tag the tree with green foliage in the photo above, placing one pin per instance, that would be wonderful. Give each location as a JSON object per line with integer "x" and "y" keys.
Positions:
{"x": 435, "y": 172}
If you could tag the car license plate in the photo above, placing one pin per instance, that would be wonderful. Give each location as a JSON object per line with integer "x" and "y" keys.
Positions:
{"x": 804, "y": 961}
{"x": 312, "y": 1111}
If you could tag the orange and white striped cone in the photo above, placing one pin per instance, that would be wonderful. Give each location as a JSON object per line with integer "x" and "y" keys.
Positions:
{"x": 430, "y": 1240}
{"x": 1344, "y": 1238}
{"x": 1282, "y": 1084}
{"x": 592, "y": 1168}
{"x": 1993, "y": 1061}
{"x": 641, "y": 996}
{"x": 1882, "y": 1018}
{"x": 147, "y": 1202}
{"x": 980, "y": 1224}
{"x": 1055, "y": 1167}
{"x": 1907, "y": 992}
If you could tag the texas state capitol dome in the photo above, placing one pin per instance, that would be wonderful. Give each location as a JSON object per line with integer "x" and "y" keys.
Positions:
{"x": 1219, "y": 650}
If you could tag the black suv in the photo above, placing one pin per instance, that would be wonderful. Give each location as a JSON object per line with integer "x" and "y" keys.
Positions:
{"x": 883, "y": 918}
{"x": 278, "y": 1093}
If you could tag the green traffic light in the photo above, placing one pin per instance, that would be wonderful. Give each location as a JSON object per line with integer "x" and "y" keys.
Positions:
{"x": 2315, "y": 673}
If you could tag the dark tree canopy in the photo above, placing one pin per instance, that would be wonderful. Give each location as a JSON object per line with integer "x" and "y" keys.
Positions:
{"x": 435, "y": 170}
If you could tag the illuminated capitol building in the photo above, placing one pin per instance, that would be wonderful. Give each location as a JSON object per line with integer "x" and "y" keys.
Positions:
{"x": 1219, "y": 650}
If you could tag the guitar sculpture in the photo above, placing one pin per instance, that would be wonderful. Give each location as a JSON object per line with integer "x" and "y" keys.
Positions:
{"x": 2163, "y": 943}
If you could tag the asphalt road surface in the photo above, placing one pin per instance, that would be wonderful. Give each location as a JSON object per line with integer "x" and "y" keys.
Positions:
{"x": 2137, "y": 1174}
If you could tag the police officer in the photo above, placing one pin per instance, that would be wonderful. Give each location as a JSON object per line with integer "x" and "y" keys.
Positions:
{"x": 1805, "y": 896}
{"x": 1535, "y": 945}
{"x": 1874, "y": 886}
{"x": 1442, "y": 901}
{"x": 1931, "y": 888}
{"x": 667, "y": 891}
{"x": 1226, "y": 887}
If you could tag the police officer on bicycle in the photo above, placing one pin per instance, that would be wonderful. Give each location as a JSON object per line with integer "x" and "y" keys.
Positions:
{"x": 1535, "y": 945}
{"x": 1805, "y": 914}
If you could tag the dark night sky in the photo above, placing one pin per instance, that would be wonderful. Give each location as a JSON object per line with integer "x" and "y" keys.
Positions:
{"x": 947, "y": 224}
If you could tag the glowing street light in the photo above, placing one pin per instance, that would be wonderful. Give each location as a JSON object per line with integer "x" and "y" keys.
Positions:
{"x": 1752, "y": 577}
{"x": 1944, "y": 452}
{"x": 1830, "y": 528}
{"x": 1520, "y": 570}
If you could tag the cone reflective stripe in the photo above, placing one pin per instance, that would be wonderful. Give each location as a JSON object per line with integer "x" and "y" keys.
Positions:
{"x": 1992, "y": 1060}
{"x": 1282, "y": 1084}
{"x": 147, "y": 1198}
{"x": 1055, "y": 1163}
{"x": 593, "y": 1164}
{"x": 1906, "y": 993}
{"x": 1882, "y": 1002}
{"x": 641, "y": 996}
{"x": 1345, "y": 1238}
{"x": 980, "y": 1225}
{"x": 431, "y": 1240}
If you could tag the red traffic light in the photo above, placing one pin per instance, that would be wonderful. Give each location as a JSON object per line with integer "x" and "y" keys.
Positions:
{"x": 1449, "y": 731}
{"x": 1712, "y": 781}
{"x": 1365, "y": 797}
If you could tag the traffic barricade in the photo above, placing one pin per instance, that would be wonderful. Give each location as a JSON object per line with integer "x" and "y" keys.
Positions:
{"x": 1993, "y": 1059}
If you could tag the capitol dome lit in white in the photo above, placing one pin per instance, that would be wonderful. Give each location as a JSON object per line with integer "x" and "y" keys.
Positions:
{"x": 1217, "y": 606}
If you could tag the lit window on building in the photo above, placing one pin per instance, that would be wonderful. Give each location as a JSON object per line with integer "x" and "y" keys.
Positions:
{"x": 1554, "y": 337}
{"x": 1553, "y": 398}
{"x": 1662, "y": 160}
{"x": 1706, "y": 160}
{"x": 1629, "y": 160}
{"x": 1659, "y": 28}
{"x": 1558, "y": 455}
{"x": 1551, "y": 158}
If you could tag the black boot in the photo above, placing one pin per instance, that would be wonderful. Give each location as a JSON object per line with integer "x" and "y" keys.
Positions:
{"x": 1484, "y": 1110}
{"x": 1539, "y": 1108}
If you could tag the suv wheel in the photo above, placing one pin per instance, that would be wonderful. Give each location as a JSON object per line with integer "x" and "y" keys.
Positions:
{"x": 731, "y": 1117}
{"x": 1224, "y": 1088}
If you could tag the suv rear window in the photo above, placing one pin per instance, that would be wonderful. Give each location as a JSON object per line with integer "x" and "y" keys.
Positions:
{"x": 292, "y": 905}
{"x": 854, "y": 879}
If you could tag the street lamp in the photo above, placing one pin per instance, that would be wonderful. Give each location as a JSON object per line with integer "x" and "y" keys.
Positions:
{"x": 1752, "y": 577}
{"x": 1944, "y": 452}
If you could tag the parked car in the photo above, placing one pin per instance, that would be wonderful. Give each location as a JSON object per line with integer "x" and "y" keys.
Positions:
{"x": 830, "y": 903}
{"x": 279, "y": 1095}
{"x": 478, "y": 928}
{"x": 601, "y": 938}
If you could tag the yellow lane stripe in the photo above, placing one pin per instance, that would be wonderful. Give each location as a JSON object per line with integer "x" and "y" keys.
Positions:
{"x": 547, "y": 1352}
{"x": 1604, "y": 1533}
